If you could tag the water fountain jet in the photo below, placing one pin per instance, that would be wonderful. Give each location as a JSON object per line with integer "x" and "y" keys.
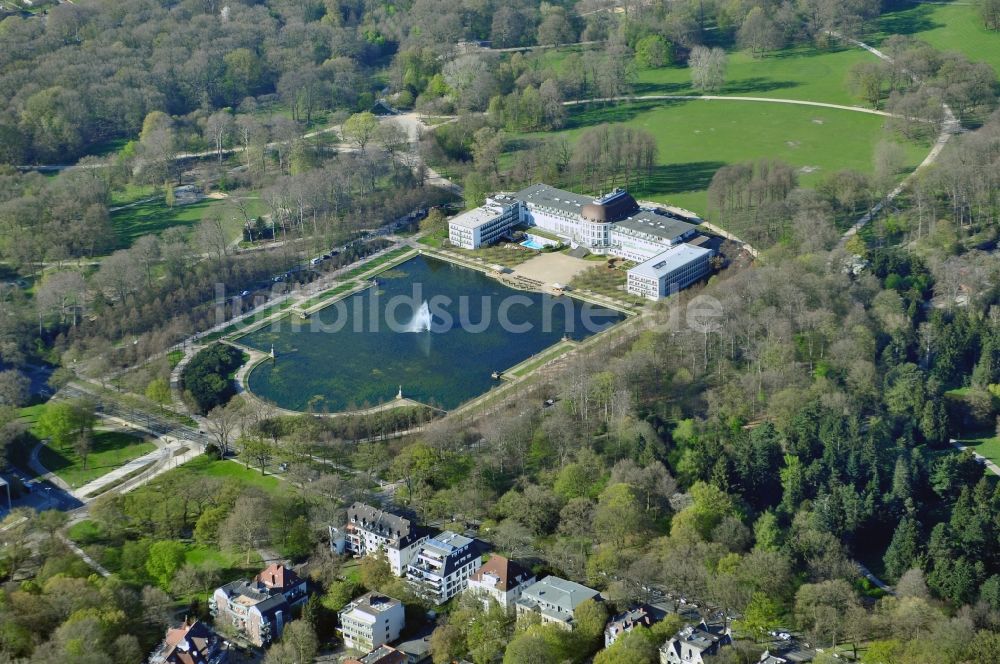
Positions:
{"x": 421, "y": 320}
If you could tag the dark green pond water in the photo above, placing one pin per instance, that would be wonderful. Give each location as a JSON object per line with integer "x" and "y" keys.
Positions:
{"x": 358, "y": 352}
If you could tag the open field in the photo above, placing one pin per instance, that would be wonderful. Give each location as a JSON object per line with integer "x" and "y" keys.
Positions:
{"x": 949, "y": 27}
{"x": 802, "y": 72}
{"x": 203, "y": 466}
{"x": 155, "y": 217}
{"x": 696, "y": 138}
{"x": 111, "y": 449}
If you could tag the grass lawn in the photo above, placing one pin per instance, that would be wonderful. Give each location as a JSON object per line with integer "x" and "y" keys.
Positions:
{"x": 111, "y": 450}
{"x": 30, "y": 414}
{"x": 696, "y": 138}
{"x": 374, "y": 263}
{"x": 506, "y": 254}
{"x": 133, "y": 192}
{"x": 986, "y": 444}
{"x": 326, "y": 295}
{"x": 243, "y": 326}
{"x": 802, "y": 72}
{"x": 174, "y": 357}
{"x": 155, "y": 217}
{"x": 434, "y": 239}
{"x": 207, "y": 467}
{"x": 533, "y": 363}
{"x": 606, "y": 281}
{"x": 948, "y": 27}
{"x": 200, "y": 555}
{"x": 85, "y": 532}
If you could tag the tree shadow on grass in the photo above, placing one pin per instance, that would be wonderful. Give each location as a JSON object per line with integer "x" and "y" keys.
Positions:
{"x": 662, "y": 88}
{"x": 909, "y": 21}
{"x": 597, "y": 113}
{"x": 757, "y": 84}
{"x": 155, "y": 217}
{"x": 808, "y": 51}
{"x": 680, "y": 178}
{"x": 519, "y": 143}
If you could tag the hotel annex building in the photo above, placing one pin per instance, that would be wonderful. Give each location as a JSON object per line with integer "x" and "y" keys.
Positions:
{"x": 665, "y": 247}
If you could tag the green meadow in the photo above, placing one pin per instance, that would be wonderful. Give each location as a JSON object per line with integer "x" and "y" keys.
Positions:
{"x": 948, "y": 27}
{"x": 697, "y": 137}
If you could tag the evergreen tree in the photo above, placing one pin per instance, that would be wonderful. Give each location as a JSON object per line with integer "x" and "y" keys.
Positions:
{"x": 904, "y": 549}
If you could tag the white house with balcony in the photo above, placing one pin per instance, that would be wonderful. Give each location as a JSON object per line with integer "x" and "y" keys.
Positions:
{"x": 443, "y": 565}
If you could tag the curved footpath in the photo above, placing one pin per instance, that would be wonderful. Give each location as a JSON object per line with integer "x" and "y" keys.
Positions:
{"x": 950, "y": 126}
{"x": 772, "y": 100}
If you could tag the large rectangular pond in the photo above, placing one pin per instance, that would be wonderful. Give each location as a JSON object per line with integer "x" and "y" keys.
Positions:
{"x": 435, "y": 329}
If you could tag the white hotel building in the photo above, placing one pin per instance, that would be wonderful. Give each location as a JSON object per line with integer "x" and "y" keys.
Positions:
{"x": 611, "y": 224}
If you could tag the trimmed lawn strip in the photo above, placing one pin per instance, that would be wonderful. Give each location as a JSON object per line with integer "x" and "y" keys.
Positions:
{"x": 374, "y": 263}
{"x": 533, "y": 363}
{"x": 122, "y": 480}
{"x": 246, "y": 325}
{"x": 325, "y": 295}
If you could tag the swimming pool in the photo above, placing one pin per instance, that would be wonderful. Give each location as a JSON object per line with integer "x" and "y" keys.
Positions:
{"x": 537, "y": 242}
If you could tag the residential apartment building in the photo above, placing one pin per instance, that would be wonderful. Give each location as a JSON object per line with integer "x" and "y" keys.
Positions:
{"x": 191, "y": 643}
{"x": 501, "y": 580}
{"x": 259, "y": 609}
{"x": 623, "y": 623}
{"x": 371, "y": 529}
{"x": 381, "y": 655}
{"x": 693, "y": 643}
{"x": 370, "y": 621}
{"x": 612, "y": 224}
{"x": 443, "y": 565}
{"x": 555, "y": 600}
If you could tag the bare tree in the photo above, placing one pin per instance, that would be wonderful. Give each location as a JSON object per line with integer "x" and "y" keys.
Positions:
{"x": 708, "y": 68}
{"x": 218, "y": 128}
{"x": 246, "y": 528}
{"x": 223, "y": 422}
{"x": 119, "y": 275}
{"x": 62, "y": 294}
